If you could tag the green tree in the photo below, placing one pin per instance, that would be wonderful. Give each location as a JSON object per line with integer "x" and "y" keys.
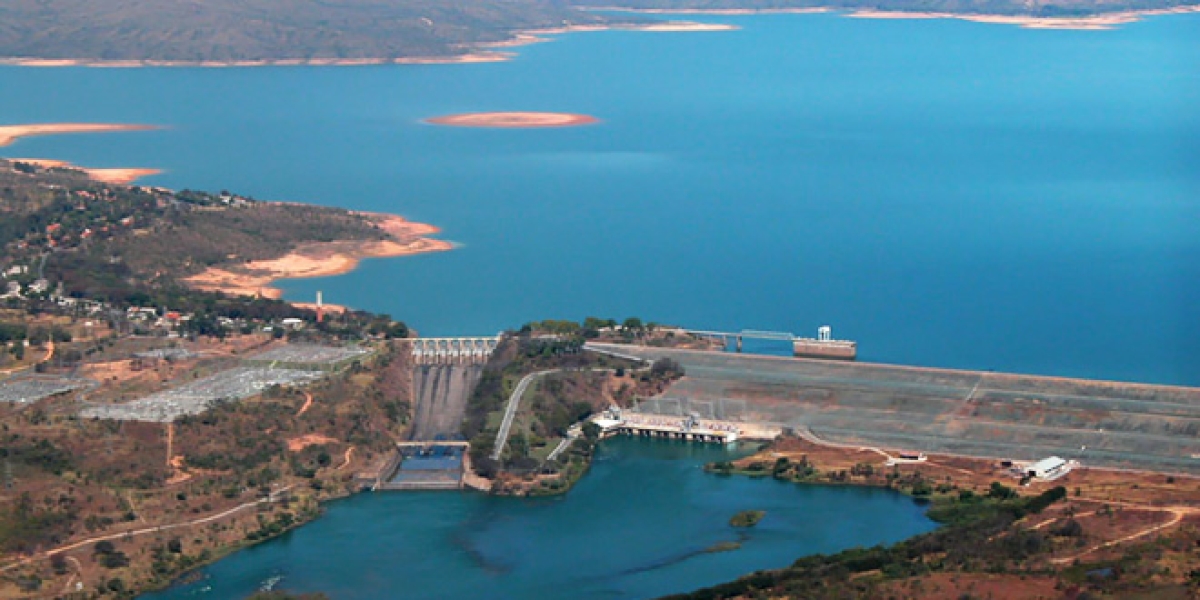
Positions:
{"x": 591, "y": 431}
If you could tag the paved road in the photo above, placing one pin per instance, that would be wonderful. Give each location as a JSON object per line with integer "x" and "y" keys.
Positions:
{"x": 563, "y": 445}
{"x": 514, "y": 401}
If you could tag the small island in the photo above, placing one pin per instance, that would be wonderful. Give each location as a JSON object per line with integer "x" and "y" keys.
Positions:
{"x": 515, "y": 120}
{"x": 747, "y": 518}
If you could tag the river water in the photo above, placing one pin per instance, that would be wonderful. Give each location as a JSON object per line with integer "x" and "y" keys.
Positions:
{"x": 638, "y": 525}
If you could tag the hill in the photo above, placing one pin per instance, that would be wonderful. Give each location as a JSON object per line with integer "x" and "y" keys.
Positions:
{"x": 252, "y": 30}
{"x": 118, "y": 243}
{"x": 324, "y": 31}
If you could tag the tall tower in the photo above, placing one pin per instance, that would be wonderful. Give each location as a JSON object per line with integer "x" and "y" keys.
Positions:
{"x": 320, "y": 307}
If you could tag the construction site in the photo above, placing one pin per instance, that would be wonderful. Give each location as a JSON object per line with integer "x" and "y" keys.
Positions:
{"x": 970, "y": 413}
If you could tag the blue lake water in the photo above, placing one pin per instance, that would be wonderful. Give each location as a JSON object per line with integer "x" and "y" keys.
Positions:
{"x": 637, "y": 526}
{"x": 946, "y": 193}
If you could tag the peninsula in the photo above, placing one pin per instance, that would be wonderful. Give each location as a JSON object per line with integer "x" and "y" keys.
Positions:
{"x": 12, "y": 133}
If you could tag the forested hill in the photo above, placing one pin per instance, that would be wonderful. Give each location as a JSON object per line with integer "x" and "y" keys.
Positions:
{"x": 248, "y": 30}
{"x": 226, "y": 31}
{"x": 112, "y": 242}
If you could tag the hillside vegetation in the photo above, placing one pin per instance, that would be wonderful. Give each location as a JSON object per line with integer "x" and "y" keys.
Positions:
{"x": 322, "y": 30}
{"x": 109, "y": 242}
{"x": 240, "y": 30}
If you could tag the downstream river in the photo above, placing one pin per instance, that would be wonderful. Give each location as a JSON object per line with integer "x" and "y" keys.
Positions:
{"x": 638, "y": 525}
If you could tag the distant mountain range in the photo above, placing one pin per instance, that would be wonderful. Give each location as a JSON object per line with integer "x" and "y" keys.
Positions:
{"x": 329, "y": 30}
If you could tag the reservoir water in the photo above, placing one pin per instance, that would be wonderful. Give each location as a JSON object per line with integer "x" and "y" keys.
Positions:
{"x": 638, "y": 525}
{"x": 946, "y": 193}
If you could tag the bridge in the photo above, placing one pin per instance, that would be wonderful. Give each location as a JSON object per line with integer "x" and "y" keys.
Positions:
{"x": 453, "y": 350}
{"x": 823, "y": 346}
{"x": 725, "y": 336}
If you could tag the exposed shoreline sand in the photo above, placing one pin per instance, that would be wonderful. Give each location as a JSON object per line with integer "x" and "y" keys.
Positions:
{"x": 1089, "y": 23}
{"x": 323, "y": 259}
{"x": 710, "y": 11}
{"x": 12, "y": 133}
{"x": 116, "y": 176}
{"x": 513, "y": 119}
{"x": 1095, "y": 22}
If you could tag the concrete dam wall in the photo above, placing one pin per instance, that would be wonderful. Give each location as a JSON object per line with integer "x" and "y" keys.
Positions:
{"x": 441, "y": 393}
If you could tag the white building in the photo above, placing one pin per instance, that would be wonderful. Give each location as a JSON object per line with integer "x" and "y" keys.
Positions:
{"x": 1048, "y": 468}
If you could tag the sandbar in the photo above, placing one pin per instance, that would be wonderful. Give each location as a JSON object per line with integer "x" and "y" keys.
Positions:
{"x": 118, "y": 176}
{"x": 12, "y": 133}
{"x": 320, "y": 259}
{"x": 514, "y": 119}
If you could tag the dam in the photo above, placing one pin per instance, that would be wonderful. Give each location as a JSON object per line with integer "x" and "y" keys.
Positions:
{"x": 972, "y": 413}
{"x": 445, "y": 372}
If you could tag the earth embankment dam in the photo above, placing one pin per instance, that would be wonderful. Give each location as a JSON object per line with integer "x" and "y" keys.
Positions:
{"x": 973, "y": 413}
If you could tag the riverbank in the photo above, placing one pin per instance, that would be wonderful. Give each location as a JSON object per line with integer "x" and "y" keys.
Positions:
{"x": 320, "y": 259}
{"x": 1085, "y": 521}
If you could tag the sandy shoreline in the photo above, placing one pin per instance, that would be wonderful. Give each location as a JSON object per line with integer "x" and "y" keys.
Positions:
{"x": 257, "y": 278}
{"x": 1089, "y": 23}
{"x": 117, "y": 176}
{"x": 12, "y": 133}
{"x": 513, "y": 120}
{"x": 1086, "y": 23}
{"x": 709, "y": 11}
